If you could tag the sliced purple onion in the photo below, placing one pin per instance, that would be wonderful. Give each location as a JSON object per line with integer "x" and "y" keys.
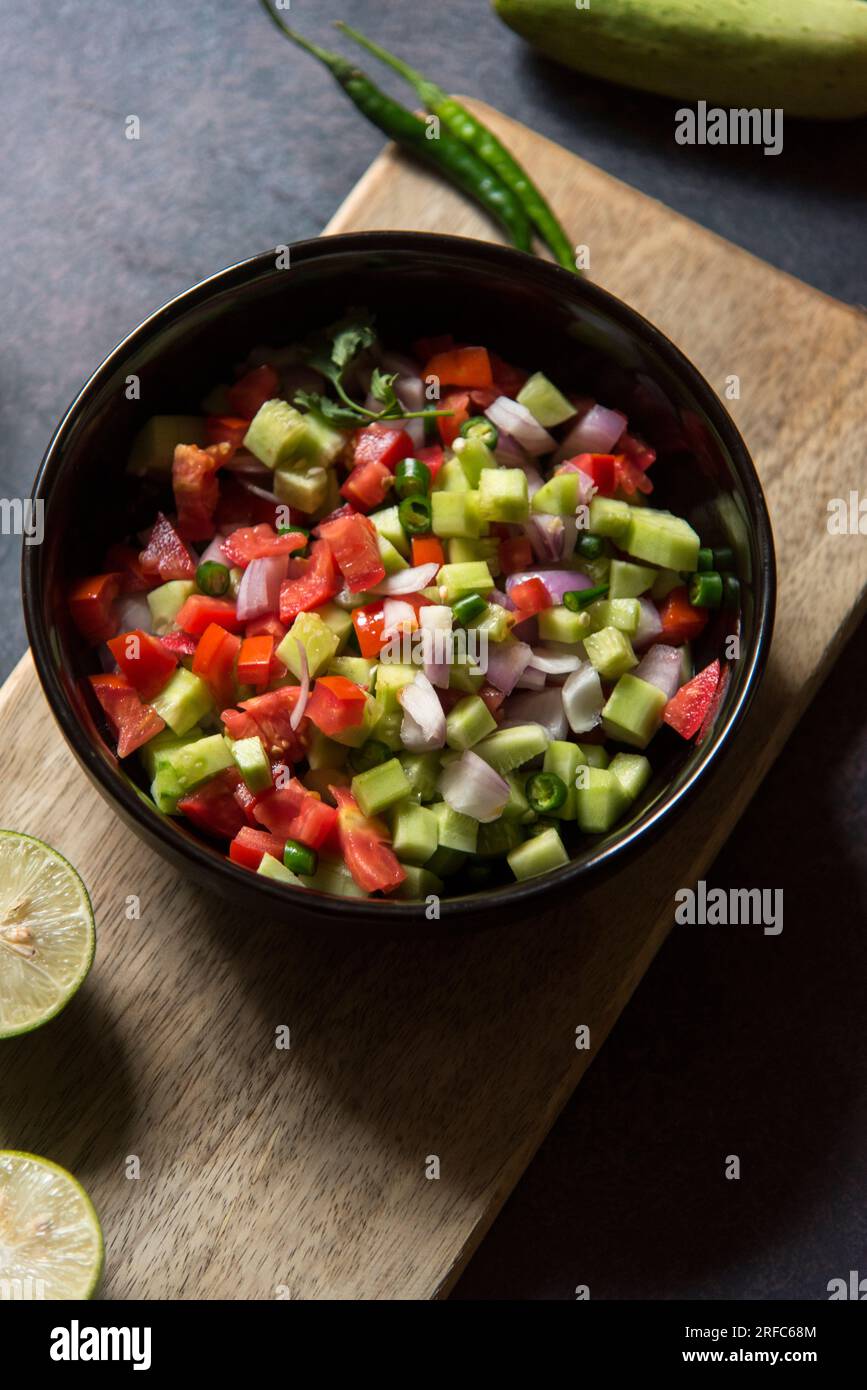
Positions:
{"x": 509, "y": 453}
{"x": 132, "y": 610}
{"x": 583, "y": 699}
{"x": 498, "y": 596}
{"x": 544, "y": 707}
{"x": 557, "y": 582}
{"x": 554, "y": 663}
{"x": 408, "y": 581}
{"x": 434, "y": 618}
{"x": 530, "y": 679}
{"x": 215, "y": 553}
{"x": 507, "y": 661}
{"x": 649, "y": 624}
{"x": 423, "y": 727}
{"x": 473, "y": 788}
{"x": 516, "y": 420}
{"x": 259, "y": 591}
{"x": 545, "y": 534}
{"x": 595, "y": 432}
{"x": 398, "y": 617}
{"x": 662, "y": 667}
{"x": 304, "y": 689}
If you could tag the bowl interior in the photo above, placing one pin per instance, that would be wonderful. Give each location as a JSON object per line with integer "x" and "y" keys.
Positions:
{"x": 417, "y": 285}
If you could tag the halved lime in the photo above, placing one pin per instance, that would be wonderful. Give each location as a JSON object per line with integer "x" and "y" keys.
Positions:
{"x": 47, "y": 937}
{"x": 50, "y": 1236}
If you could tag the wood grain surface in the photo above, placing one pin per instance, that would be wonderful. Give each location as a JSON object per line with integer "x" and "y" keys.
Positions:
{"x": 301, "y": 1172}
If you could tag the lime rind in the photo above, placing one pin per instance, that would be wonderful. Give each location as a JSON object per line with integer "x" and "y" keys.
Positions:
{"x": 47, "y": 935}
{"x": 51, "y": 1241}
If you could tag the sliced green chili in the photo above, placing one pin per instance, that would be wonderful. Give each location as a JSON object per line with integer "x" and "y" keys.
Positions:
{"x": 213, "y": 578}
{"x": 576, "y": 599}
{"x": 478, "y": 427}
{"x": 299, "y": 858}
{"x": 468, "y": 607}
{"x": 412, "y": 478}
{"x": 546, "y": 792}
{"x": 590, "y": 547}
{"x": 414, "y": 515}
{"x": 705, "y": 559}
{"x": 706, "y": 589}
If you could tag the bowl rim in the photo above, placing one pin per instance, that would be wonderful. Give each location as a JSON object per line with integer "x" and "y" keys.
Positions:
{"x": 451, "y": 910}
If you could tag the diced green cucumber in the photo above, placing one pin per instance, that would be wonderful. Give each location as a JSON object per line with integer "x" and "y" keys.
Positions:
{"x": 183, "y": 701}
{"x": 517, "y": 807}
{"x": 660, "y": 538}
{"x": 419, "y": 883}
{"x": 151, "y": 752}
{"x": 414, "y": 835}
{"x": 422, "y": 771}
{"x": 471, "y": 577}
{"x": 498, "y": 837}
{"x": 338, "y": 619}
{"x": 332, "y": 876}
{"x": 390, "y": 556}
{"x": 537, "y": 855}
{"x": 633, "y": 712}
{"x": 610, "y": 652}
{"x": 544, "y": 402}
{"x": 166, "y": 790}
{"x": 503, "y": 495}
{"x": 511, "y": 748}
{"x": 252, "y": 762}
{"x": 391, "y": 677}
{"x": 456, "y": 514}
{"x": 452, "y": 478}
{"x": 355, "y": 668}
{"x": 665, "y": 581}
{"x": 303, "y": 486}
{"x": 380, "y": 787}
{"x": 632, "y": 771}
{"x": 600, "y": 802}
{"x": 466, "y": 676}
{"x": 166, "y": 602}
{"x": 454, "y": 829}
{"x": 559, "y": 496}
{"x": 557, "y": 624}
{"x": 496, "y": 621}
{"x": 323, "y": 751}
{"x": 564, "y": 759}
{"x": 461, "y": 551}
{"x": 594, "y": 755}
{"x": 608, "y": 517}
{"x": 468, "y": 721}
{"x": 197, "y": 762}
{"x": 270, "y": 867}
{"x": 387, "y": 523}
{"x": 626, "y": 580}
{"x": 596, "y": 570}
{"x": 320, "y": 644}
{"x": 622, "y": 613}
{"x": 279, "y": 435}
{"x": 474, "y": 458}
{"x": 445, "y": 863}
{"x": 153, "y": 449}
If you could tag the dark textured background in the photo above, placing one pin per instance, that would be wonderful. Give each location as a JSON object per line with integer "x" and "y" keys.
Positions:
{"x": 736, "y": 1042}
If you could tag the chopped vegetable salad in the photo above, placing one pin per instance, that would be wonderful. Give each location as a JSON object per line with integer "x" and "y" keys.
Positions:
{"x": 409, "y": 622}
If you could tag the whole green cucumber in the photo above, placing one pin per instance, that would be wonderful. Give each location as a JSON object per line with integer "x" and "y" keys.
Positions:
{"x": 807, "y": 56}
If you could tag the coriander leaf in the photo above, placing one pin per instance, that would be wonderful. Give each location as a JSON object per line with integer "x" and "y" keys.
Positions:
{"x": 350, "y": 341}
{"x": 382, "y": 387}
{"x": 332, "y": 411}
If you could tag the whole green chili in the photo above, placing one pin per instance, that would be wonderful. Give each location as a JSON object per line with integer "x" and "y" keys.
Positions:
{"x": 447, "y": 154}
{"x": 472, "y": 132}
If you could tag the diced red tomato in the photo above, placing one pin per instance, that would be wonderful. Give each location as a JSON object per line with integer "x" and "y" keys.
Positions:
{"x": 213, "y": 806}
{"x": 599, "y": 468}
{"x": 355, "y": 545}
{"x": 318, "y": 582}
{"x": 516, "y": 554}
{"x": 254, "y": 660}
{"x": 179, "y": 643}
{"x": 247, "y": 801}
{"x": 380, "y": 443}
{"x": 369, "y": 624}
{"x": 268, "y": 626}
{"x": 492, "y": 697}
{"x": 367, "y": 485}
{"x": 200, "y": 610}
{"x": 630, "y": 478}
{"x": 143, "y": 660}
{"x": 425, "y": 348}
{"x": 449, "y": 426}
{"x": 427, "y": 550}
{"x": 214, "y": 662}
{"x": 364, "y": 843}
{"x": 268, "y": 717}
{"x": 90, "y": 604}
{"x": 711, "y": 712}
{"x": 252, "y": 390}
{"x": 530, "y": 597}
{"x": 686, "y": 711}
{"x": 433, "y": 456}
{"x": 637, "y": 451}
{"x": 681, "y": 622}
{"x": 165, "y": 553}
{"x": 258, "y": 543}
{"x": 124, "y": 561}
{"x": 238, "y": 507}
{"x": 295, "y": 813}
{"x": 194, "y": 483}
{"x": 462, "y": 366}
{"x": 132, "y": 722}
{"x": 249, "y": 846}
{"x": 226, "y": 429}
{"x": 336, "y": 704}
{"x": 508, "y": 380}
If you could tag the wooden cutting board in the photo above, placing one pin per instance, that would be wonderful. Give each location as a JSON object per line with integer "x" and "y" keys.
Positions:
{"x": 266, "y": 1172}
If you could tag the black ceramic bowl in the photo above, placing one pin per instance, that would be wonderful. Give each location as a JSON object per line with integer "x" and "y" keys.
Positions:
{"x": 534, "y": 314}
